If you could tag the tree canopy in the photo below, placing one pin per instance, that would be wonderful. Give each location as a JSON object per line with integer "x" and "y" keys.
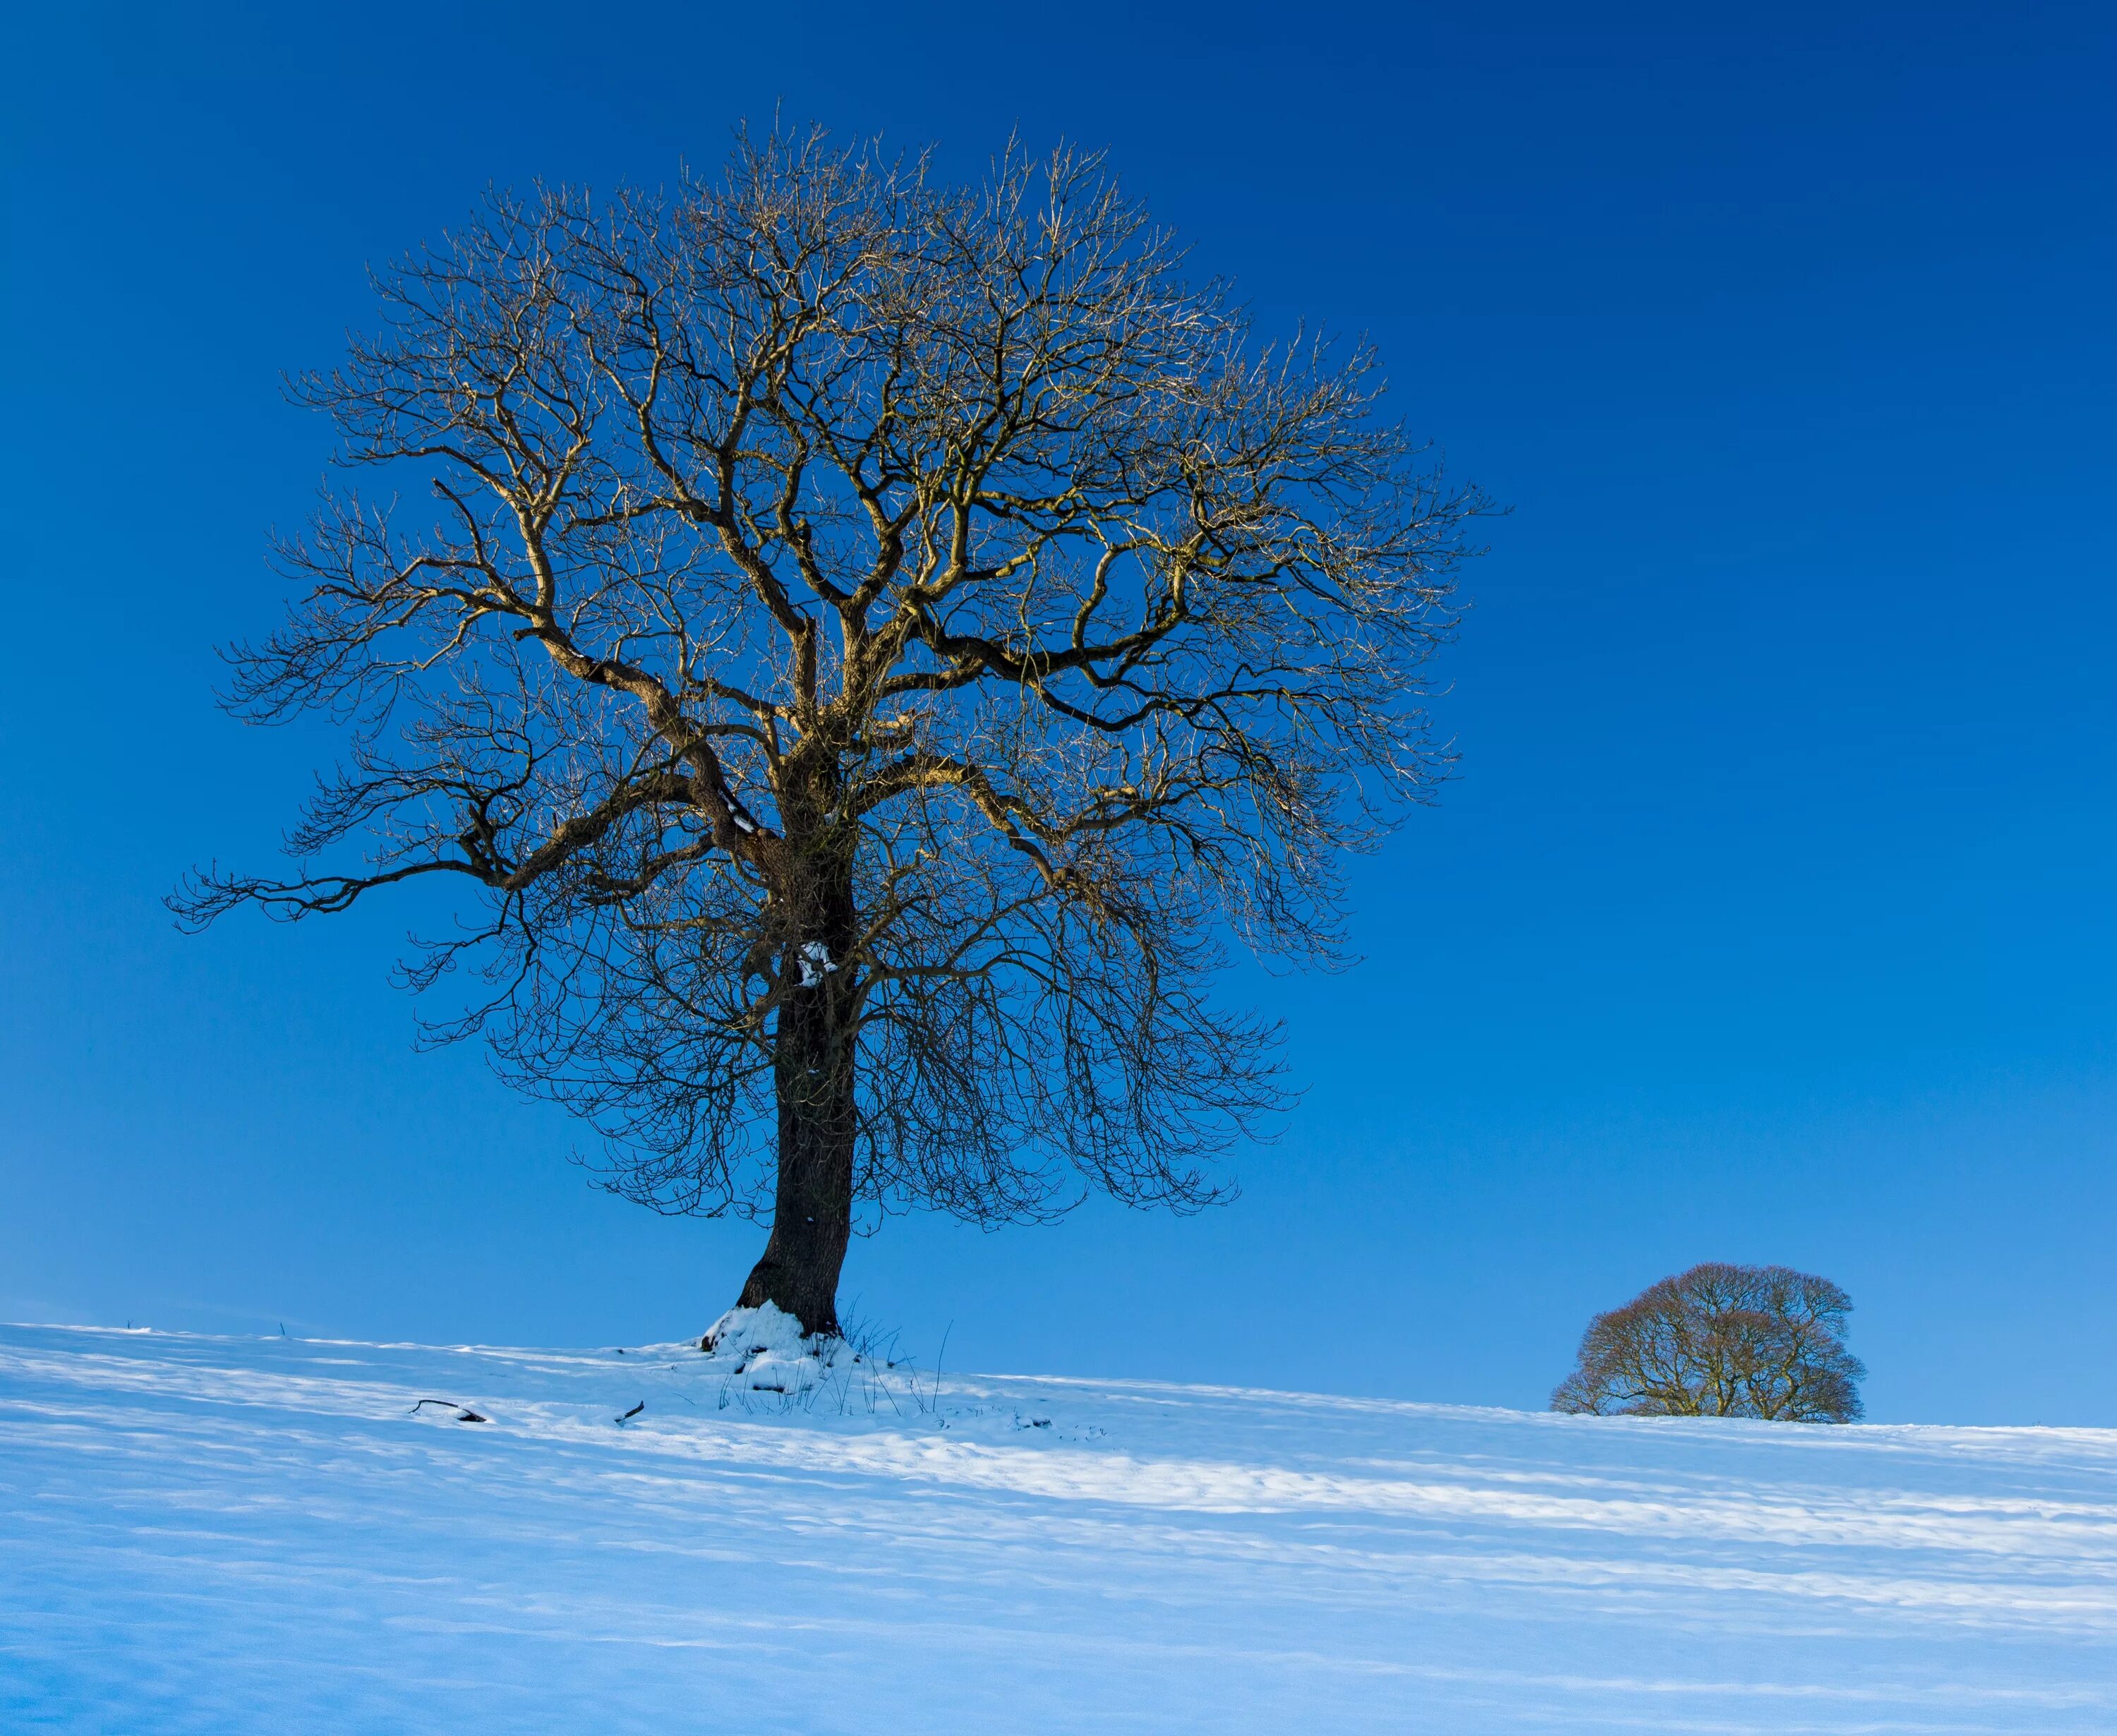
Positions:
{"x": 871, "y": 644}
{"x": 1721, "y": 1340}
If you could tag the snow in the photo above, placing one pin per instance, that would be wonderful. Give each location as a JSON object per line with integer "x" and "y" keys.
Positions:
{"x": 815, "y": 960}
{"x": 760, "y": 1350}
{"x": 243, "y": 1534}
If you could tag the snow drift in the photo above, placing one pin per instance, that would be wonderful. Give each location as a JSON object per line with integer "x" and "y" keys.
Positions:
{"x": 235, "y": 1534}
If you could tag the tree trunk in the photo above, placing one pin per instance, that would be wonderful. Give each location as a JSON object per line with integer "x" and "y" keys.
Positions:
{"x": 812, "y": 1218}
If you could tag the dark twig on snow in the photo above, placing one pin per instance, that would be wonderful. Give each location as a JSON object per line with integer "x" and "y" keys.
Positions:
{"x": 465, "y": 1414}
{"x": 632, "y": 1413}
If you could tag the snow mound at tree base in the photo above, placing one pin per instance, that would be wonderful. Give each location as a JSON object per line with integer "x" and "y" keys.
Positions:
{"x": 241, "y": 1535}
{"x": 764, "y": 1350}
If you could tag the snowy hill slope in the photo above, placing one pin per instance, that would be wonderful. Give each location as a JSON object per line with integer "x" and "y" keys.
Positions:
{"x": 235, "y": 1534}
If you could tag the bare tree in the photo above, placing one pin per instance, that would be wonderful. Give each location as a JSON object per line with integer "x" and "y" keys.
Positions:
{"x": 873, "y": 640}
{"x": 1722, "y": 1340}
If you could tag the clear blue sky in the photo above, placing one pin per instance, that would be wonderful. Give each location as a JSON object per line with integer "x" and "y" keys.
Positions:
{"x": 1771, "y": 918}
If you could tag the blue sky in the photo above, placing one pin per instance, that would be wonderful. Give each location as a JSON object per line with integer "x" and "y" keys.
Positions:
{"x": 1770, "y": 916}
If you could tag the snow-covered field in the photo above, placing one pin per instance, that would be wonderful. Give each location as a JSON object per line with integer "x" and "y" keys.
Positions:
{"x": 236, "y": 1535}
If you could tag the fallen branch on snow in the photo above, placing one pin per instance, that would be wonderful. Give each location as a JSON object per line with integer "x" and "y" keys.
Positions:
{"x": 465, "y": 1414}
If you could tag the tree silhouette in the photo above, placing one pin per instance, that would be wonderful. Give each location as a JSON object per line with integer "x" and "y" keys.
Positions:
{"x": 1721, "y": 1340}
{"x": 872, "y": 642}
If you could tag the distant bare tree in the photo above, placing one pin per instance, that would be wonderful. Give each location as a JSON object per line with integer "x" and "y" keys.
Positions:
{"x": 872, "y": 638}
{"x": 1722, "y": 1340}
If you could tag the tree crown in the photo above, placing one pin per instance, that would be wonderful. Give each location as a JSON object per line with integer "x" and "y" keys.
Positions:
{"x": 1721, "y": 1340}
{"x": 837, "y": 583}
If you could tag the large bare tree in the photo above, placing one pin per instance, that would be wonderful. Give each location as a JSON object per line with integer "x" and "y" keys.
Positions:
{"x": 871, "y": 643}
{"x": 1721, "y": 1340}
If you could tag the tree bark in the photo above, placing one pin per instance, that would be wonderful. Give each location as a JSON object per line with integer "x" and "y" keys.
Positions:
{"x": 812, "y": 1217}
